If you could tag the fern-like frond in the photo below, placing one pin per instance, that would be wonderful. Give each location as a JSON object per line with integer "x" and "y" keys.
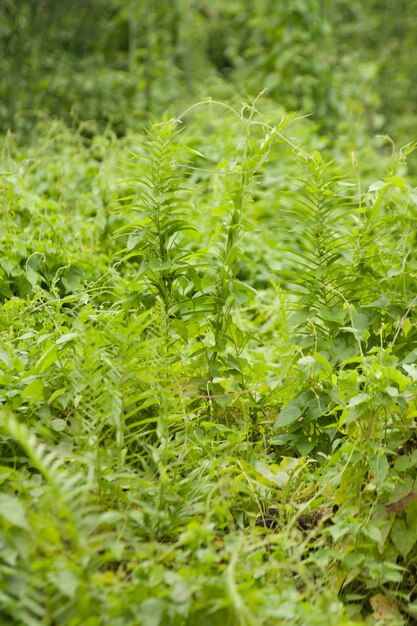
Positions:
{"x": 316, "y": 248}
{"x": 46, "y": 461}
{"x": 160, "y": 213}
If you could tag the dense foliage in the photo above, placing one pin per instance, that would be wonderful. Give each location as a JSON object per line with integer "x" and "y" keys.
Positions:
{"x": 208, "y": 345}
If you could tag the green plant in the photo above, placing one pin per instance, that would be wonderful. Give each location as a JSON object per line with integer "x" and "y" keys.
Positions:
{"x": 210, "y": 417}
{"x": 161, "y": 218}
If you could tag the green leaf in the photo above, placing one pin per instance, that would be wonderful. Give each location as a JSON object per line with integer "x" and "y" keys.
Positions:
{"x": 180, "y": 328}
{"x": 58, "y": 425}
{"x": 336, "y": 315}
{"x": 5, "y": 358}
{"x": 159, "y": 265}
{"x": 34, "y": 391}
{"x": 48, "y": 358}
{"x": 397, "y": 377}
{"x": 56, "y": 394}
{"x": 411, "y": 370}
{"x": 398, "y": 181}
{"x": 379, "y": 466}
{"x": 151, "y": 612}
{"x": 306, "y": 362}
{"x": 360, "y": 398}
{"x": 12, "y": 510}
{"x": 133, "y": 239}
{"x": 71, "y": 280}
{"x": 403, "y": 539}
{"x": 376, "y": 186}
{"x": 374, "y": 533}
{"x": 280, "y": 440}
{"x": 65, "y": 581}
{"x": 289, "y": 414}
{"x": 65, "y": 338}
{"x": 32, "y": 276}
{"x": 323, "y": 362}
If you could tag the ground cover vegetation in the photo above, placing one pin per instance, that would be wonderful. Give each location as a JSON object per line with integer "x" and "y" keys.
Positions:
{"x": 208, "y": 341}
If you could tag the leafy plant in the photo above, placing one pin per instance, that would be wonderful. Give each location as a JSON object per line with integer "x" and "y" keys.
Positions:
{"x": 208, "y": 418}
{"x": 160, "y": 217}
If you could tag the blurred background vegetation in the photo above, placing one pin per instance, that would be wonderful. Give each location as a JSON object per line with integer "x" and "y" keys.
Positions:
{"x": 114, "y": 63}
